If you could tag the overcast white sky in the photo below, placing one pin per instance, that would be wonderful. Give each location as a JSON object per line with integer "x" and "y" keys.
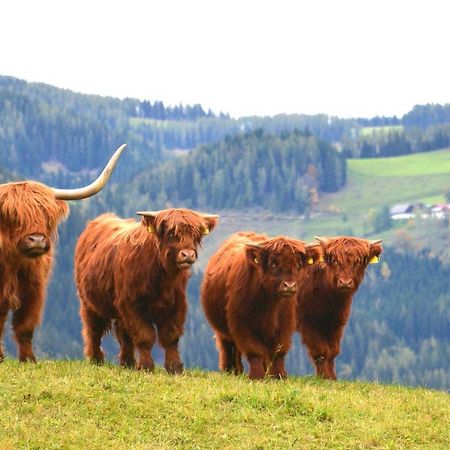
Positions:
{"x": 340, "y": 57}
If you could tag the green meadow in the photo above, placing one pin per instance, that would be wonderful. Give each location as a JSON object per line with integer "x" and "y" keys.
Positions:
{"x": 70, "y": 404}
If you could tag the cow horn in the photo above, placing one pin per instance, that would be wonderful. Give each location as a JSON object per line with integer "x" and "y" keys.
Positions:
{"x": 209, "y": 216}
{"x": 378, "y": 241}
{"x": 321, "y": 239}
{"x": 94, "y": 187}
{"x": 253, "y": 245}
{"x": 149, "y": 213}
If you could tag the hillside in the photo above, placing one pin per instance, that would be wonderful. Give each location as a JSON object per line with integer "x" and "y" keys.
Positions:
{"x": 372, "y": 184}
{"x": 256, "y": 169}
{"x": 73, "y": 405}
{"x": 398, "y": 331}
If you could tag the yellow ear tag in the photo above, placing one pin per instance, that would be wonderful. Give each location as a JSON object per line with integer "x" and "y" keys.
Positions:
{"x": 321, "y": 259}
{"x": 374, "y": 260}
{"x": 206, "y": 231}
{"x": 150, "y": 229}
{"x": 310, "y": 261}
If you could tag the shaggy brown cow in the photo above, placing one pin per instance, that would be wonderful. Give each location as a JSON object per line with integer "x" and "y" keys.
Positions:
{"x": 29, "y": 215}
{"x": 248, "y": 295}
{"x": 133, "y": 276}
{"x": 325, "y": 296}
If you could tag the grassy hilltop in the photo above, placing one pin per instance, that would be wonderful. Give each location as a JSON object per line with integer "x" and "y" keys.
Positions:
{"x": 70, "y": 404}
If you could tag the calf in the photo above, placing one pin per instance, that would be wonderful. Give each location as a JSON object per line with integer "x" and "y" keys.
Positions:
{"x": 325, "y": 296}
{"x": 248, "y": 295}
{"x": 132, "y": 276}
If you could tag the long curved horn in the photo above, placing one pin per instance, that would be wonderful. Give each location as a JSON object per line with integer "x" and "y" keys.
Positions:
{"x": 94, "y": 187}
{"x": 209, "y": 216}
{"x": 378, "y": 241}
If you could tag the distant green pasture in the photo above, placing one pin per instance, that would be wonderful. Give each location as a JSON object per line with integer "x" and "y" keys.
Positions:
{"x": 368, "y": 131}
{"x": 419, "y": 164}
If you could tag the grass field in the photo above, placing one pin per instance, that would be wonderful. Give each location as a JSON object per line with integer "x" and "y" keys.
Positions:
{"x": 69, "y": 404}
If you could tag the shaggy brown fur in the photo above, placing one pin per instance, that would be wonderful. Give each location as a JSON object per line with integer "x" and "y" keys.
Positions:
{"x": 27, "y": 210}
{"x": 325, "y": 297}
{"x": 132, "y": 276}
{"x": 248, "y": 295}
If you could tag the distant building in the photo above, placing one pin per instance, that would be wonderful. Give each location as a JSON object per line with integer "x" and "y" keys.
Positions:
{"x": 402, "y": 211}
{"x": 440, "y": 211}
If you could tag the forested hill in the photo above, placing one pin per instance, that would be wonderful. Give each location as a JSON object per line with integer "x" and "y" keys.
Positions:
{"x": 60, "y": 137}
{"x": 253, "y": 170}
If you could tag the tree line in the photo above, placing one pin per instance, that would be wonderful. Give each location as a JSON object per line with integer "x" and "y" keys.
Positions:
{"x": 256, "y": 169}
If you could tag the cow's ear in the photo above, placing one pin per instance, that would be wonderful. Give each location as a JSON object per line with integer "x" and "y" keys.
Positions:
{"x": 211, "y": 222}
{"x": 148, "y": 220}
{"x": 255, "y": 254}
{"x": 374, "y": 252}
{"x": 313, "y": 253}
{"x": 63, "y": 209}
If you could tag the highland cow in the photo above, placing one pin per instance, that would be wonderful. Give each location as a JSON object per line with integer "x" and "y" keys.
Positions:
{"x": 29, "y": 216}
{"x": 132, "y": 277}
{"x": 325, "y": 297}
{"x": 249, "y": 298}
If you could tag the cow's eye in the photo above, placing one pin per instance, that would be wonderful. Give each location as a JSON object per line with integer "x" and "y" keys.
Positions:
{"x": 171, "y": 236}
{"x": 273, "y": 265}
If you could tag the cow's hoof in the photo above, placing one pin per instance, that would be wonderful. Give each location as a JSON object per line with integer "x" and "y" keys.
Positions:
{"x": 175, "y": 367}
{"x": 128, "y": 363}
{"x": 278, "y": 376}
{"x": 97, "y": 360}
{"x": 147, "y": 366}
{"x": 28, "y": 358}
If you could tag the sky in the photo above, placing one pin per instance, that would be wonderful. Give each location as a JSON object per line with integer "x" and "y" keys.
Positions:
{"x": 346, "y": 58}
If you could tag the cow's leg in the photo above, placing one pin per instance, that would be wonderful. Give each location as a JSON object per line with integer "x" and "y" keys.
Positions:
{"x": 254, "y": 350}
{"x": 4, "y": 307}
{"x": 334, "y": 342}
{"x": 318, "y": 349}
{"x": 229, "y": 356}
{"x": 93, "y": 329}
{"x": 280, "y": 347}
{"x": 238, "y": 366}
{"x": 141, "y": 332}
{"x": 126, "y": 354}
{"x": 277, "y": 368}
{"x": 257, "y": 369}
{"x": 28, "y": 316}
{"x": 170, "y": 329}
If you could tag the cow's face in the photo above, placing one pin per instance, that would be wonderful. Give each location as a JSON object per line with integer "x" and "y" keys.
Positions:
{"x": 279, "y": 262}
{"x": 345, "y": 259}
{"x": 179, "y": 233}
{"x": 29, "y": 215}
